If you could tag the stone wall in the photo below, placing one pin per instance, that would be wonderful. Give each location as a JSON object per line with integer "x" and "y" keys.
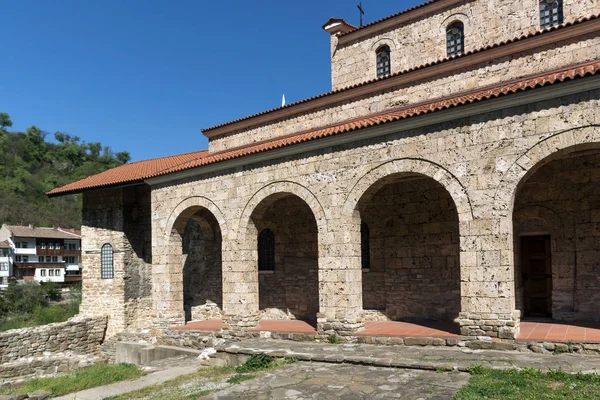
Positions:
{"x": 423, "y": 40}
{"x": 46, "y": 365}
{"x": 503, "y": 69}
{"x": 293, "y": 287}
{"x": 562, "y": 199}
{"x": 479, "y": 160}
{"x": 414, "y": 244}
{"x": 78, "y": 335}
{"x": 121, "y": 218}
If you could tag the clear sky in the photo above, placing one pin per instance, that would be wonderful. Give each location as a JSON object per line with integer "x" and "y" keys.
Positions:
{"x": 146, "y": 75}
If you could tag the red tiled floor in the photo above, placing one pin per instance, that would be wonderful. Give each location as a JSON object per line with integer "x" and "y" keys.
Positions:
{"x": 294, "y": 326}
{"x": 559, "y": 331}
{"x": 406, "y": 329}
{"x": 206, "y": 325}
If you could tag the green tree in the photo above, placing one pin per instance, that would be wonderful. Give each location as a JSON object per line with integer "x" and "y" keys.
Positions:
{"x": 30, "y": 166}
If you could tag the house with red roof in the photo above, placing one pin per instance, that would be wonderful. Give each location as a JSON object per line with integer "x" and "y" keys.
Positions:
{"x": 446, "y": 186}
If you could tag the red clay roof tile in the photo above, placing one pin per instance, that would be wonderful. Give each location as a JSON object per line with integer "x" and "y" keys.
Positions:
{"x": 138, "y": 171}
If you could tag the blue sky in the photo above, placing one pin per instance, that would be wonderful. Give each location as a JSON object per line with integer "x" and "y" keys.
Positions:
{"x": 146, "y": 75}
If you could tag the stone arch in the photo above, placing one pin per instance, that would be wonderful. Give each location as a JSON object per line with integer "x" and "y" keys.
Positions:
{"x": 413, "y": 208}
{"x": 193, "y": 256}
{"x": 291, "y": 289}
{"x": 384, "y": 41}
{"x": 187, "y": 208}
{"x": 282, "y": 188}
{"x": 415, "y": 166}
{"x": 544, "y": 151}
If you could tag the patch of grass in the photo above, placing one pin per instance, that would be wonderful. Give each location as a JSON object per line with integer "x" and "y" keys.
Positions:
{"x": 191, "y": 386}
{"x": 528, "y": 384}
{"x": 333, "y": 339}
{"x": 85, "y": 378}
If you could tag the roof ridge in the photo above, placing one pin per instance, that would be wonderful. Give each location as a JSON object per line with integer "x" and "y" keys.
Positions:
{"x": 405, "y": 71}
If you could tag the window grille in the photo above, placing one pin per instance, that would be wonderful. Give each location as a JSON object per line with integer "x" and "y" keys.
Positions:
{"x": 383, "y": 61}
{"x": 365, "y": 246}
{"x": 107, "y": 270}
{"x": 455, "y": 39}
{"x": 551, "y": 13}
{"x": 266, "y": 250}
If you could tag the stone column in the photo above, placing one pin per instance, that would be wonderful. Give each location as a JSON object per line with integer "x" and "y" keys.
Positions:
{"x": 340, "y": 278}
{"x": 240, "y": 284}
{"x": 487, "y": 280}
{"x": 167, "y": 281}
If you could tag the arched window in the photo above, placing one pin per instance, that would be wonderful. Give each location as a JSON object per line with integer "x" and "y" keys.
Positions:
{"x": 383, "y": 61}
{"x": 365, "y": 246}
{"x": 266, "y": 250}
{"x": 455, "y": 39}
{"x": 551, "y": 13}
{"x": 107, "y": 270}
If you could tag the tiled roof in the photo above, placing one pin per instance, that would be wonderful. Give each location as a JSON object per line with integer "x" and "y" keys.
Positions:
{"x": 4, "y": 245}
{"x": 42, "y": 233}
{"x": 130, "y": 173}
{"x": 113, "y": 177}
{"x": 406, "y": 71}
{"x": 393, "y": 15}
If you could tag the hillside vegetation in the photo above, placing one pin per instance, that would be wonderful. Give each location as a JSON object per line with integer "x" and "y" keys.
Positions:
{"x": 31, "y": 165}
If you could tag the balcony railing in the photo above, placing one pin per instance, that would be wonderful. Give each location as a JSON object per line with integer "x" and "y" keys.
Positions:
{"x": 28, "y": 265}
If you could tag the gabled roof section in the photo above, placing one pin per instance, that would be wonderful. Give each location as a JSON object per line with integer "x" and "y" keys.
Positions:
{"x": 41, "y": 233}
{"x": 129, "y": 173}
{"x": 4, "y": 245}
{"x": 375, "y": 85}
{"x": 108, "y": 178}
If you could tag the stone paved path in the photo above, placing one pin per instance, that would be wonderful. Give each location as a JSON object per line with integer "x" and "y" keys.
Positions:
{"x": 414, "y": 357}
{"x": 313, "y": 380}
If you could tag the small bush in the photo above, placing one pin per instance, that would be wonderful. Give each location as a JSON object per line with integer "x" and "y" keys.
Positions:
{"x": 333, "y": 339}
{"x": 48, "y": 315}
{"x": 256, "y": 362}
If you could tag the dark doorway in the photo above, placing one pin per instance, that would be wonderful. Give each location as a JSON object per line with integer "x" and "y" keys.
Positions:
{"x": 537, "y": 275}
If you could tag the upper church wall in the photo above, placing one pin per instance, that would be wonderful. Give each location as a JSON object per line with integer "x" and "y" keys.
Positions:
{"x": 503, "y": 69}
{"x": 422, "y": 39}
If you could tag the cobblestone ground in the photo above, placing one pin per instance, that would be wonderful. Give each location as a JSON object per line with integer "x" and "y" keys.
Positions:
{"x": 313, "y": 380}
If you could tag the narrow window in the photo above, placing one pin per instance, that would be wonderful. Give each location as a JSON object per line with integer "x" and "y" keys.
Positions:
{"x": 551, "y": 13}
{"x": 266, "y": 250}
{"x": 43, "y": 272}
{"x": 455, "y": 39}
{"x": 107, "y": 270}
{"x": 383, "y": 61}
{"x": 365, "y": 246}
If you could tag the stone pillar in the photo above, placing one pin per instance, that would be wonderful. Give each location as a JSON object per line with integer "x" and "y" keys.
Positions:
{"x": 487, "y": 280}
{"x": 340, "y": 278}
{"x": 167, "y": 281}
{"x": 240, "y": 284}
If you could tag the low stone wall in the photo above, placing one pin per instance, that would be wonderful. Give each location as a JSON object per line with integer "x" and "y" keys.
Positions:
{"x": 78, "y": 335}
{"x": 47, "y": 365}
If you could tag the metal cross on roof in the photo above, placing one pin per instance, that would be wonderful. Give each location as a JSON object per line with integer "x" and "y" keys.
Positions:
{"x": 359, "y": 6}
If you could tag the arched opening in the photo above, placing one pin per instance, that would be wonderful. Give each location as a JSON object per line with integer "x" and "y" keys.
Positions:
{"x": 383, "y": 58}
{"x": 413, "y": 273}
{"x": 556, "y": 226}
{"x": 283, "y": 230}
{"x": 195, "y": 248}
{"x": 455, "y": 39}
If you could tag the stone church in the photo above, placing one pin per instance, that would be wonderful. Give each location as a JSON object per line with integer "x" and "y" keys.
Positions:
{"x": 451, "y": 174}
